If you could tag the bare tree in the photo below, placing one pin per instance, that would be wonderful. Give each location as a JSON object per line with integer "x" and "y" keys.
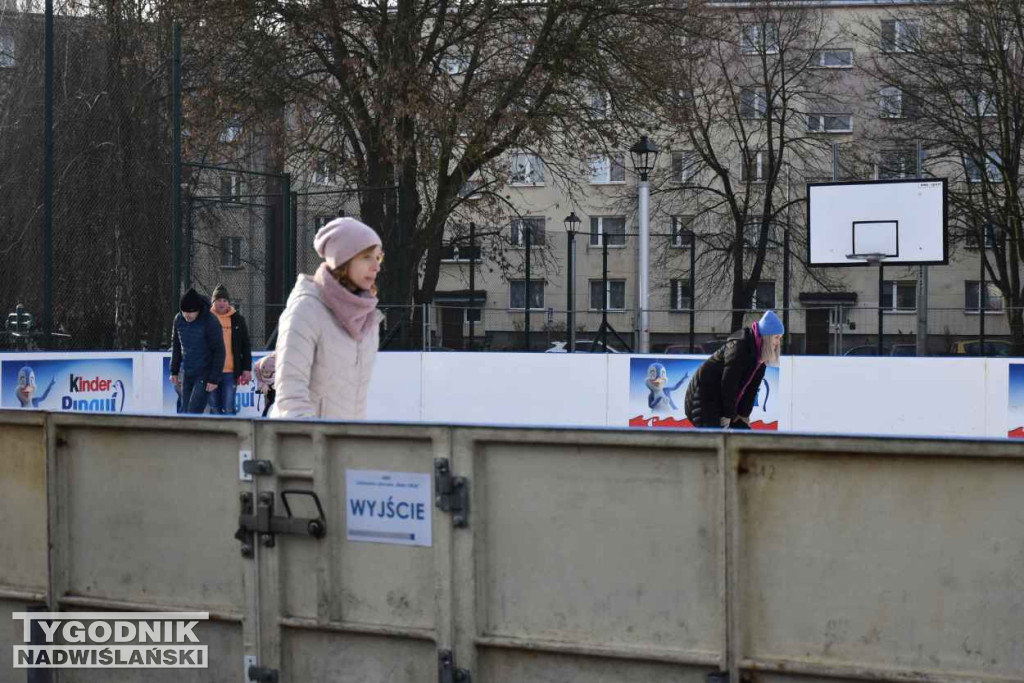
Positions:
{"x": 430, "y": 96}
{"x": 747, "y": 104}
{"x": 951, "y": 76}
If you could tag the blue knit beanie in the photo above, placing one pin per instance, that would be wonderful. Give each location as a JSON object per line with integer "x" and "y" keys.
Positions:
{"x": 770, "y": 324}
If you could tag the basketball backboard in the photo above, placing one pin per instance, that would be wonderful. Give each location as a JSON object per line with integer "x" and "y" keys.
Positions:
{"x": 903, "y": 220}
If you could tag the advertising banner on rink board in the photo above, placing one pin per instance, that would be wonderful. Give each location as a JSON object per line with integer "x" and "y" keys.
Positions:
{"x": 93, "y": 385}
{"x": 248, "y": 403}
{"x": 657, "y": 391}
{"x": 1015, "y": 409}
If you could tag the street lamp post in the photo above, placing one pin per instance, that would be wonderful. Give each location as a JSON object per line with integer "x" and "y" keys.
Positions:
{"x": 572, "y": 224}
{"x": 644, "y": 154}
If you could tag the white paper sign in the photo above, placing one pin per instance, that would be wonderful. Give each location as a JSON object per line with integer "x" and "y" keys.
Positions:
{"x": 388, "y": 507}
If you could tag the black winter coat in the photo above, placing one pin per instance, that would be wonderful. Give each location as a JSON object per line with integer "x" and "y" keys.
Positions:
{"x": 714, "y": 391}
{"x": 198, "y": 346}
{"x": 241, "y": 347}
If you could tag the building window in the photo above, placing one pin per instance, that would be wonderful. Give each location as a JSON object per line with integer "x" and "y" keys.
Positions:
{"x": 526, "y": 169}
{"x": 972, "y": 169}
{"x": 830, "y": 123}
{"x": 759, "y": 38}
{"x": 900, "y": 35}
{"x": 455, "y": 64}
{"x": 833, "y": 59}
{"x": 980, "y": 104}
{"x": 607, "y": 168}
{"x": 614, "y": 295}
{"x": 894, "y": 103}
{"x": 757, "y": 168}
{"x": 471, "y": 188}
{"x": 752, "y": 233}
{"x": 326, "y": 172}
{"x": 682, "y": 295}
{"x": 230, "y": 252}
{"x": 993, "y": 297}
{"x": 764, "y": 296}
{"x": 971, "y": 238}
{"x": 682, "y": 232}
{"x": 517, "y": 294}
{"x": 753, "y": 103}
{"x": 231, "y": 133}
{"x": 899, "y": 295}
{"x": 6, "y": 51}
{"x": 894, "y": 164}
{"x": 599, "y": 104}
{"x": 518, "y": 228}
{"x": 456, "y": 253}
{"x": 684, "y": 165}
{"x": 614, "y": 226}
{"x": 230, "y": 187}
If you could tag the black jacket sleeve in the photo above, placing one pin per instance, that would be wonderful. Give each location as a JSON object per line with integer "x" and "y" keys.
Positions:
{"x": 175, "y": 346}
{"x": 215, "y": 340}
{"x": 243, "y": 359}
{"x": 733, "y": 370}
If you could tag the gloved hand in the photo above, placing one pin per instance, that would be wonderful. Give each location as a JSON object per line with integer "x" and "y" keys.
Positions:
{"x": 740, "y": 422}
{"x": 725, "y": 422}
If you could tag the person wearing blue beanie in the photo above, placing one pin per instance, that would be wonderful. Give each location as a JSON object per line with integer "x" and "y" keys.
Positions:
{"x": 722, "y": 391}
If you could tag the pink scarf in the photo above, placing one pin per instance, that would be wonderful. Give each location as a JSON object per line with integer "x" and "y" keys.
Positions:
{"x": 354, "y": 312}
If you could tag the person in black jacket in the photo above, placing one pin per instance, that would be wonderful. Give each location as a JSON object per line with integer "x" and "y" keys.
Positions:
{"x": 238, "y": 353}
{"x": 722, "y": 391}
{"x": 197, "y": 352}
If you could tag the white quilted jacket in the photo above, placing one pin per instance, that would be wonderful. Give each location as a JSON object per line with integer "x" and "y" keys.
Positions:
{"x": 321, "y": 370}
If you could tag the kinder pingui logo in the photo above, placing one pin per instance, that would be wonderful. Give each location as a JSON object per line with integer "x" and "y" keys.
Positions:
{"x": 93, "y": 394}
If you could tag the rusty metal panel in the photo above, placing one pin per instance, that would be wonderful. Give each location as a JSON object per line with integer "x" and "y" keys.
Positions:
{"x": 23, "y": 551}
{"x": 886, "y": 559}
{"x": 335, "y": 609}
{"x": 597, "y": 544}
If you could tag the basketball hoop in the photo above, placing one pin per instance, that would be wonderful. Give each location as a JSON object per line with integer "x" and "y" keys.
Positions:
{"x": 873, "y": 258}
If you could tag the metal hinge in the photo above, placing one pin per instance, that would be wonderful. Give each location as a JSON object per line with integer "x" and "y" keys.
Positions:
{"x": 248, "y": 467}
{"x": 266, "y": 524}
{"x": 447, "y": 671}
{"x": 451, "y": 493}
{"x": 262, "y": 674}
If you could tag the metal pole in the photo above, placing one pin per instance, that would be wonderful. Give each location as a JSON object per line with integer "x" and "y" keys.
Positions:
{"x": 176, "y": 171}
{"x": 881, "y": 293}
{"x": 570, "y": 307}
{"x": 293, "y": 242}
{"x": 604, "y": 290}
{"x": 472, "y": 282}
{"x": 693, "y": 285}
{"x": 981, "y": 293}
{"x": 526, "y": 240}
{"x": 922, "y": 287}
{"x": 645, "y": 326}
{"x": 48, "y": 180}
{"x": 785, "y": 262}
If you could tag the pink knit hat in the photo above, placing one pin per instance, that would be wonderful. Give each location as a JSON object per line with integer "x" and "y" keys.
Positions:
{"x": 343, "y": 238}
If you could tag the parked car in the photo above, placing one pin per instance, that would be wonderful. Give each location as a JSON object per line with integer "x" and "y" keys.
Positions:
{"x": 868, "y": 350}
{"x": 583, "y": 346}
{"x": 970, "y": 347}
{"x": 683, "y": 348}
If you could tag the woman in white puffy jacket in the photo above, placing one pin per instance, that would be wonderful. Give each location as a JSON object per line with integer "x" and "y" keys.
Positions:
{"x": 329, "y": 331}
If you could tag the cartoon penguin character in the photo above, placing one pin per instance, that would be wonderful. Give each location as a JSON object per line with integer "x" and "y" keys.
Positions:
{"x": 27, "y": 388}
{"x": 661, "y": 395}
